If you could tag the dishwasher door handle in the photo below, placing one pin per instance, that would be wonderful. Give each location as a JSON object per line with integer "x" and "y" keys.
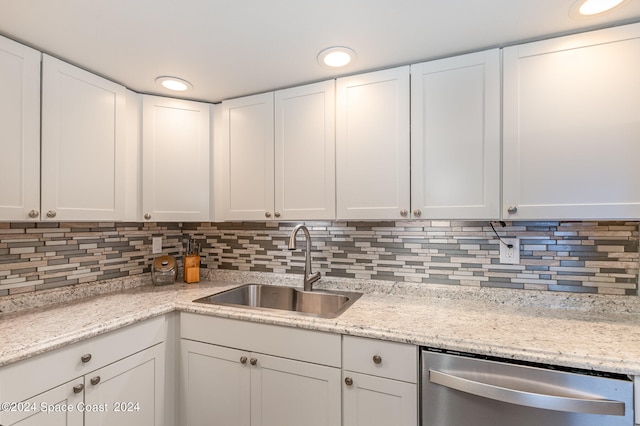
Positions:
{"x": 528, "y": 399}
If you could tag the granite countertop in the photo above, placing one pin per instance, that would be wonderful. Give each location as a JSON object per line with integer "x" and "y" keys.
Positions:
{"x": 583, "y": 331}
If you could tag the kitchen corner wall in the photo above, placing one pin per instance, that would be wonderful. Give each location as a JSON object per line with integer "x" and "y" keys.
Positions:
{"x": 594, "y": 257}
{"x": 42, "y": 255}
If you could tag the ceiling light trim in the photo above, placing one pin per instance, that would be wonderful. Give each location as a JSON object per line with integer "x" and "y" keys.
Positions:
{"x": 174, "y": 83}
{"x": 336, "y": 57}
{"x": 597, "y": 8}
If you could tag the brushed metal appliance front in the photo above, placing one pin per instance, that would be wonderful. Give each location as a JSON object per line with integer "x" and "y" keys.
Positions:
{"x": 459, "y": 389}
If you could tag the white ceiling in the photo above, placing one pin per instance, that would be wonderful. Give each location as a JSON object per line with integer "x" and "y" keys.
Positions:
{"x": 230, "y": 48}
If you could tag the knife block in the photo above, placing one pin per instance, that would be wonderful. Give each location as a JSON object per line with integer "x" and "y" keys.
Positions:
{"x": 191, "y": 268}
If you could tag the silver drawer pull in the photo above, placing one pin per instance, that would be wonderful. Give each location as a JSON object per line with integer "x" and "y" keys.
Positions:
{"x": 78, "y": 388}
{"x": 85, "y": 358}
{"x": 528, "y": 399}
{"x": 377, "y": 359}
{"x": 95, "y": 380}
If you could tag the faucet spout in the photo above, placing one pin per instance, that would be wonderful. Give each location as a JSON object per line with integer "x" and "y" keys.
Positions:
{"x": 309, "y": 276}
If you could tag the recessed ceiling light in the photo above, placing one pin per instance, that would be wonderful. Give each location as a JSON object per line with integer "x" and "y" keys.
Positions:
{"x": 174, "y": 83}
{"x": 336, "y": 57}
{"x": 587, "y": 8}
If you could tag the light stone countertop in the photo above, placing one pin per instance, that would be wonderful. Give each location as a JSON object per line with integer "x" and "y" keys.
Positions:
{"x": 583, "y": 331}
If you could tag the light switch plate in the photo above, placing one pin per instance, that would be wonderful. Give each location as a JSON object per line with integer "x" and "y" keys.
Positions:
{"x": 510, "y": 255}
{"x": 157, "y": 245}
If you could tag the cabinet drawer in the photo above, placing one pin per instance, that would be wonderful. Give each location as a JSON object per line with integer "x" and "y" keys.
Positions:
{"x": 287, "y": 342}
{"x": 397, "y": 361}
{"x": 45, "y": 371}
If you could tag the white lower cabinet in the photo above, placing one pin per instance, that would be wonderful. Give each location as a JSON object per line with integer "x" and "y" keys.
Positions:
{"x": 236, "y": 382}
{"x": 286, "y": 392}
{"x": 39, "y": 410}
{"x": 372, "y": 400}
{"x": 129, "y": 392}
{"x": 380, "y": 383}
{"x": 114, "y": 379}
{"x": 215, "y": 385}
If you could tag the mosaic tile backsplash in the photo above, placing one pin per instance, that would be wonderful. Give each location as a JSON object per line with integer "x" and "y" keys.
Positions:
{"x": 593, "y": 257}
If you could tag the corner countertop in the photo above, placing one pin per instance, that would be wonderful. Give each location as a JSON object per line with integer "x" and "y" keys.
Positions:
{"x": 573, "y": 330}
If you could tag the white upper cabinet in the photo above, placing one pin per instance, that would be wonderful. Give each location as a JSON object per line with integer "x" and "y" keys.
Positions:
{"x": 455, "y": 137}
{"x": 19, "y": 131}
{"x": 275, "y": 155}
{"x": 305, "y": 152}
{"x": 572, "y": 127}
{"x": 245, "y": 158}
{"x": 175, "y": 160}
{"x": 373, "y": 145}
{"x": 83, "y": 144}
{"x": 133, "y": 197}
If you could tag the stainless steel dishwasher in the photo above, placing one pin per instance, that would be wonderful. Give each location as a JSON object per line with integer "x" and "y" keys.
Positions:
{"x": 462, "y": 389}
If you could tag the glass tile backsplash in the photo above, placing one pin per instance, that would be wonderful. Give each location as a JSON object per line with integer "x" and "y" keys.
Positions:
{"x": 594, "y": 257}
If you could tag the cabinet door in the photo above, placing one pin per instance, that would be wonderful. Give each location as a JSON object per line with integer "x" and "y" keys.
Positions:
{"x": 129, "y": 392}
{"x": 83, "y": 144}
{"x": 19, "y": 131}
{"x": 293, "y": 393}
{"x": 372, "y": 145}
{"x": 455, "y": 137}
{"x": 214, "y": 385}
{"x": 305, "y": 152}
{"x": 246, "y": 158}
{"x": 60, "y": 406}
{"x": 175, "y": 160}
{"x": 375, "y": 401}
{"x": 571, "y": 126}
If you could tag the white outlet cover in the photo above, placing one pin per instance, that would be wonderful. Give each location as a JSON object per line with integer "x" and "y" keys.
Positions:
{"x": 508, "y": 255}
{"x": 156, "y": 245}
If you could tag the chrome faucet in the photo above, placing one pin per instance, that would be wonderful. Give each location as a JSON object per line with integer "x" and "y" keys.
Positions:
{"x": 309, "y": 276}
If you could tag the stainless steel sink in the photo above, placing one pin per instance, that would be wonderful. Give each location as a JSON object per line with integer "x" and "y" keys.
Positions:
{"x": 324, "y": 304}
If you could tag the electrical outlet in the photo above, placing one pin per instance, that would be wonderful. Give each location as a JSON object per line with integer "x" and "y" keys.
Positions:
{"x": 510, "y": 255}
{"x": 157, "y": 245}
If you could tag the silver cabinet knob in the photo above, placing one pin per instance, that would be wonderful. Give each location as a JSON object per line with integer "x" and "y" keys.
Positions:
{"x": 85, "y": 358}
{"x": 253, "y": 361}
{"x": 243, "y": 360}
{"x": 512, "y": 210}
{"x": 348, "y": 381}
{"x": 78, "y": 388}
{"x": 147, "y": 216}
{"x": 34, "y": 213}
{"x": 417, "y": 212}
{"x": 404, "y": 212}
{"x": 95, "y": 380}
{"x": 51, "y": 214}
{"x": 277, "y": 214}
{"x": 267, "y": 214}
{"x": 377, "y": 359}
